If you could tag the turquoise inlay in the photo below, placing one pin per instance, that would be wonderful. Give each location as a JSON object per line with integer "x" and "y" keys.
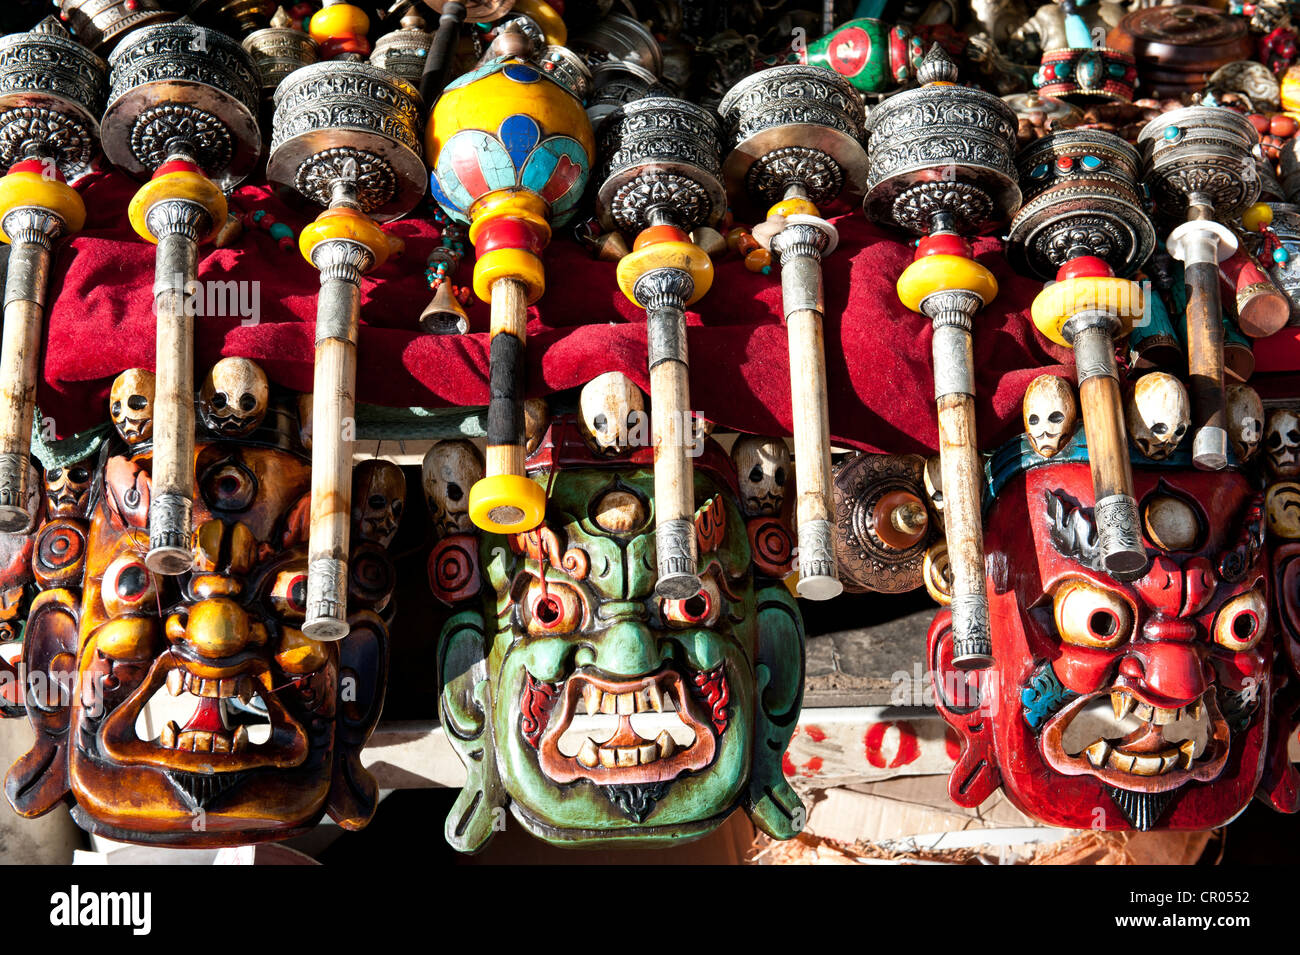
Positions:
{"x": 1044, "y": 696}
{"x": 487, "y": 69}
{"x": 541, "y": 165}
{"x": 1091, "y": 162}
{"x": 1076, "y": 32}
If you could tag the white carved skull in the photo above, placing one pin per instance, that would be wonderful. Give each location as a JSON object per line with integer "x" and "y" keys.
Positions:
{"x": 234, "y": 397}
{"x": 612, "y": 412}
{"x": 762, "y": 468}
{"x": 378, "y": 500}
{"x": 1245, "y": 420}
{"x": 67, "y": 490}
{"x": 1282, "y": 442}
{"x": 1158, "y": 414}
{"x": 130, "y": 405}
{"x": 450, "y": 470}
{"x": 1050, "y": 413}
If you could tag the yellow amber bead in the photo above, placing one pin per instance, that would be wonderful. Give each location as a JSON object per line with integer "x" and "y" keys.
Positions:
{"x": 518, "y": 264}
{"x": 1057, "y": 303}
{"x": 544, "y": 15}
{"x": 944, "y": 273}
{"x": 178, "y": 185}
{"x": 511, "y": 203}
{"x": 666, "y": 255}
{"x": 793, "y": 207}
{"x": 499, "y": 495}
{"x": 338, "y": 21}
{"x": 31, "y": 189}
{"x": 1256, "y": 216}
{"x": 346, "y": 224}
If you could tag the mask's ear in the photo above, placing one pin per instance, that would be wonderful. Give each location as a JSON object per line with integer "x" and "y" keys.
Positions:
{"x": 466, "y": 708}
{"x": 778, "y": 668}
{"x": 39, "y": 780}
{"x": 957, "y": 696}
{"x": 363, "y": 677}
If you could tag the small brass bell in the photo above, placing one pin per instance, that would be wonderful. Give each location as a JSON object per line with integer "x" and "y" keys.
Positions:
{"x": 444, "y": 315}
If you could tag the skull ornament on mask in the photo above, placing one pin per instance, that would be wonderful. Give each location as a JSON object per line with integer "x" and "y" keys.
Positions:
{"x": 614, "y": 715}
{"x": 613, "y": 413}
{"x": 67, "y": 490}
{"x": 131, "y": 405}
{"x": 378, "y": 500}
{"x": 1282, "y": 443}
{"x": 1245, "y": 420}
{"x": 1050, "y": 413}
{"x": 450, "y": 469}
{"x": 762, "y": 468}
{"x": 1158, "y": 413}
{"x": 1117, "y": 705}
{"x": 234, "y": 397}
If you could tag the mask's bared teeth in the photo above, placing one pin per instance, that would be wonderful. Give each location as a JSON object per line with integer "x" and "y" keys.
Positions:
{"x": 196, "y": 741}
{"x": 240, "y": 742}
{"x": 220, "y": 743}
{"x": 587, "y": 755}
{"x": 1144, "y": 712}
{"x": 654, "y": 698}
{"x": 607, "y": 757}
{"x": 1121, "y": 703}
{"x": 591, "y": 696}
{"x": 247, "y": 689}
{"x": 1195, "y": 708}
{"x": 169, "y": 732}
{"x": 1098, "y": 753}
{"x": 608, "y": 703}
{"x": 227, "y": 688}
{"x": 626, "y": 704}
{"x": 208, "y": 688}
{"x": 666, "y": 744}
{"x": 1187, "y": 750}
{"x": 642, "y": 699}
{"x": 625, "y": 756}
{"x": 1164, "y": 715}
{"x": 175, "y": 681}
{"x": 647, "y": 753}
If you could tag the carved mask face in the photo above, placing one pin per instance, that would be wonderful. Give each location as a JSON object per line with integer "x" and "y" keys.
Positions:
{"x": 762, "y": 467}
{"x": 1282, "y": 443}
{"x": 378, "y": 500}
{"x": 199, "y": 694}
{"x": 1245, "y": 420}
{"x": 450, "y": 470}
{"x": 67, "y": 490}
{"x": 234, "y": 397}
{"x": 613, "y": 413}
{"x": 617, "y": 715}
{"x": 130, "y": 405}
{"x": 1112, "y": 705}
{"x": 1050, "y": 413}
{"x": 1158, "y": 413}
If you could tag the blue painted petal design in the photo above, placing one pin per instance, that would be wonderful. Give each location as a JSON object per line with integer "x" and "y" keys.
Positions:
{"x": 519, "y": 134}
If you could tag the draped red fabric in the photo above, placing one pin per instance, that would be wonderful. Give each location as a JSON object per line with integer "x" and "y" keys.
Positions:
{"x": 878, "y": 352}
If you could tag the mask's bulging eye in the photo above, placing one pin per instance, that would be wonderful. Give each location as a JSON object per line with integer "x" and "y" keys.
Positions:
{"x": 229, "y": 487}
{"x": 555, "y": 610}
{"x": 702, "y": 610}
{"x": 1241, "y": 622}
{"x": 289, "y": 593}
{"x": 129, "y": 587}
{"x": 1089, "y": 616}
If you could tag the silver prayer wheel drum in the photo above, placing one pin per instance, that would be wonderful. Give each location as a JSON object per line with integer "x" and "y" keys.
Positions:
{"x": 795, "y": 125}
{"x": 332, "y": 114}
{"x": 1286, "y": 223}
{"x": 1080, "y": 198}
{"x": 238, "y": 17}
{"x": 180, "y": 86}
{"x": 660, "y": 154}
{"x": 941, "y": 149}
{"x": 51, "y": 96}
{"x": 614, "y": 84}
{"x": 403, "y": 51}
{"x": 99, "y": 24}
{"x": 619, "y": 38}
{"x": 278, "y": 51}
{"x": 1204, "y": 152}
{"x": 566, "y": 68}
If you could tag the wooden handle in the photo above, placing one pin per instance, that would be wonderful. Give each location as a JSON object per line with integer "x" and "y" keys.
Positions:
{"x": 1205, "y": 366}
{"x": 962, "y": 471}
{"x": 815, "y": 503}
{"x": 19, "y": 366}
{"x": 505, "y": 414}
{"x": 170, "y": 510}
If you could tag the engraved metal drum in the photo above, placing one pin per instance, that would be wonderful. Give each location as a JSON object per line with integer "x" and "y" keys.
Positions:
{"x": 660, "y": 152}
{"x": 941, "y": 149}
{"x": 1205, "y": 151}
{"x": 99, "y": 24}
{"x": 614, "y": 84}
{"x": 403, "y": 51}
{"x": 278, "y": 51}
{"x": 1286, "y": 223}
{"x": 182, "y": 85}
{"x": 1080, "y": 197}
{"x": 622, "y": 39}
{"x": 795, "y": 124}
{"x": 330, "y": 114}
{"x": 51, "y": 96}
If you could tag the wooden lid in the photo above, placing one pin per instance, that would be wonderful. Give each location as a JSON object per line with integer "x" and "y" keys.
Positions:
{"x": 1182, "y": 37}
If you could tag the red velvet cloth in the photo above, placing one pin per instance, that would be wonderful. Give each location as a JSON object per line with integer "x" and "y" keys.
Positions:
{"x": 878, "y": 353}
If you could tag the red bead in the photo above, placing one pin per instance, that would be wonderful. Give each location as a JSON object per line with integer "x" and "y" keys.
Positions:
{"x": 509, "y": 233}
{"x": 1085, "y": 266}
{"x": 287, "y": 244}
{"x": 176, "y": 165}
{"x": 335, "y": 47}
{"x": 1281, "y": 125}
{"x": 1260, "y": 122}
{"x": 36, "y": 166}
{"x": 1064, "y": 163}
{"x": 945, "y": 243}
